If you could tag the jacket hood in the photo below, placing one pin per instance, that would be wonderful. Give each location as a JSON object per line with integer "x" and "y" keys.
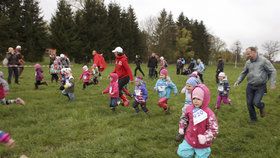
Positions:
{"x": 114, "y": 77}
{"x": 206, "y": 99}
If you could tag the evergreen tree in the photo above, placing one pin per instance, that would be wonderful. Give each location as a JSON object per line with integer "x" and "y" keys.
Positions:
{"x": 34, "y": 31}
{"x": 63, "y": 36}
{"x": 184, "y": 39}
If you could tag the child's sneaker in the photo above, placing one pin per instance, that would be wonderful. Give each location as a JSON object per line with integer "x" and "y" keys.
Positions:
{"x": 20, "y": 101}
{"x": 126, "y": 103}
{"x": 113, "y": 109}
{"x": 167, "y": 110}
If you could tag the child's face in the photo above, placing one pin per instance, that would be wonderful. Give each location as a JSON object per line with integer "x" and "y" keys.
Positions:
{"x": 111, "y": 79}
{"x": 137, "y": 83}
{"x": 220, "y": 77}
{"x": 197, "y": 102}
{"x": 189, "y": 88}
{"x": 162, "y": 76}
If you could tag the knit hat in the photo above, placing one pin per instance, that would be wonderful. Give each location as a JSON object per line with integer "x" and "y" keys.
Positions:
{"x": 198, "y": 93}
{"x": 18, "y": 47}
{"x": 37, "y": 66}
{"x": 85, "y": 68}
{"x": 222, "y": 74}
{"x": 62, "y": 56}
{"x": 118, "y": 50}
{"x": 192, "y": 81}
{"x": 161, "y": 58}
{"x": 139, "y": 79}
{"x": 164, "y": 72}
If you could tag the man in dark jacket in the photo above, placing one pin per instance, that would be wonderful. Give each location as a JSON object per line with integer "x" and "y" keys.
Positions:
{"x": 152, "y": 65}
{"x": 138, "y": 63}
{"x": 220, "y": 68}
{"x": 13, "y": 63}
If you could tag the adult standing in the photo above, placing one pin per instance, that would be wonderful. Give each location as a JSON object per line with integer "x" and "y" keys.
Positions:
{"x": 258, "y": 70}
{"x": 220, "y": 68}
{"x": 200, "y": 69}
{"x": 21, "y": 60}
{"x": 124, "y": 72}
{"x": 138, "y": 63}
{"x": 99, "y": 61}
{"x": 13, "y": 63}
{"x": 152, "y": 65}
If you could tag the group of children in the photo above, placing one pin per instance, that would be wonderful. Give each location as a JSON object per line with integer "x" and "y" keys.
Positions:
{"x": 197, "y": 126}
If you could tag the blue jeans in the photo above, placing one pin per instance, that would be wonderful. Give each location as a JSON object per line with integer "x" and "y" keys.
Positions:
{"x": 187, "y": 151}
{"x": 114, "y": 102}
{"x": 254, "y": 96}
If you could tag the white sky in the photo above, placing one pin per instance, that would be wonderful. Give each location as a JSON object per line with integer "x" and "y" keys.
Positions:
{"x": 252, "y": 22}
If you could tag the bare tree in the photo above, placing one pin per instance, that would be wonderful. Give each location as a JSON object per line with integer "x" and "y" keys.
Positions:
{"x": 217, "y": 46}
{"x": 236, "y": 49}
{"x": 271, "y": 48}
{"x": 149, "y": 27}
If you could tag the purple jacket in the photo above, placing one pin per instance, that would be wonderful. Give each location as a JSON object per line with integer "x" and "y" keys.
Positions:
{"x": 39, "y": 74}
{"x": 140, "y": 93}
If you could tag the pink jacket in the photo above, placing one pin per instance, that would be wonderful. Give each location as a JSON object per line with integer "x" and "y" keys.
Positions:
{"x": 207, "y": 127}
{"x": 113, "y": 88}
{"x": 85, "y": 76}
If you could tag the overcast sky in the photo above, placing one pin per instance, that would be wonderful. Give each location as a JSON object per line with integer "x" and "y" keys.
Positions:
{"x": 252, "y": 22}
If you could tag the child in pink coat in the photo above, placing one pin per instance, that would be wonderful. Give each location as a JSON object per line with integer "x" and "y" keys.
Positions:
{"x": 201, "y": 124}
{"x": 113, "y": 90}
{"x": 86, "y": 77}
{"x": 39, "y": 76}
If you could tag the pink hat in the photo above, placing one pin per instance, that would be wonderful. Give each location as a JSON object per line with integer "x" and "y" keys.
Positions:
{"x": 37, "y": 66}
{"x": 198, "y": 93}
{"x": 164, "y": 72}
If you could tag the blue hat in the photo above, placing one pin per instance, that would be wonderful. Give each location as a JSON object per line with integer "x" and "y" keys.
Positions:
{"x": 192, "y": 81}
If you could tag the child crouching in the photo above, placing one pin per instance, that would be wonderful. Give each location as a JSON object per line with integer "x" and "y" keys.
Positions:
{"x": 113, "y": 90}
{"x": 69, "y": 84}
{"x": 4, "y": 89}
{"x": 140, "y": 95}
{"x": 201, "y": 124}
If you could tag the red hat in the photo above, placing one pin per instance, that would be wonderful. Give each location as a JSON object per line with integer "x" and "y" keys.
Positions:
{"x": 164, "y": 72}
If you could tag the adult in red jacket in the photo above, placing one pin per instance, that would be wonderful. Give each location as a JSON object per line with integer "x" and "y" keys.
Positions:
{"x": 124, "y": 72}
{"x": 99, "y": 60}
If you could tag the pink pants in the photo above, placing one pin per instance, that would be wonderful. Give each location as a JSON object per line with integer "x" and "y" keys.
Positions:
{"x": 225, "y": 100}
{"x": 162, "y": 102}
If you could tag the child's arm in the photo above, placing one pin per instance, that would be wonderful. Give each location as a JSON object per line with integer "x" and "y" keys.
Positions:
{"x": 173, "y": 86}
{"x": 211, "y": 132}
{"x": 106, "y": 90}
{"x": 184, "y": 89}
{"x": 156, "y": 86}
{"x": 144, "y": 93}
{"x": 183, "y": 123}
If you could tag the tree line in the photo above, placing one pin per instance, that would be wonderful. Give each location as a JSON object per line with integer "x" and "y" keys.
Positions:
{"x": 76, "y": 31}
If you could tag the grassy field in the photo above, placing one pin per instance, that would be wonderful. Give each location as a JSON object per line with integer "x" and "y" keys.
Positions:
{"x": 49, "y": 126}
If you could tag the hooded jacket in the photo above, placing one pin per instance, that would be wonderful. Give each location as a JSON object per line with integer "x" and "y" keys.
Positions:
{"x": 140, "y": 92}
{"x": 207, "y": 126}
{"x": 164, "y": 87}
{"x": 122, "y": 68}
{"x": 39, "y": 74}
{"x": 85, "y": 76}
{"x": 113, "y": 88}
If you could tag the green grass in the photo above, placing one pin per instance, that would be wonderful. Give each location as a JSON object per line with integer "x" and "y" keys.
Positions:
{"x": 49, "y": 126}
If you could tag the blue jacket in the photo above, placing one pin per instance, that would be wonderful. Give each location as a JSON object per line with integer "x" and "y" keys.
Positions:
{"x": 223, "y": 87}
{"x": 140, "y": 92}
{"x": 164, "y": 87}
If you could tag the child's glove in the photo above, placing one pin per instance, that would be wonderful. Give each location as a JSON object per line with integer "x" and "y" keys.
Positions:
{"x": 201, "y": 139}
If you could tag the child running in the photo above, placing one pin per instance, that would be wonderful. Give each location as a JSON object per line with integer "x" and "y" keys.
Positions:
{"x": 223, "y": 90}
{"x": 140, "y": 95}
{"x": 113, "y": 90}
{"x": 95, "y": 74}
{"x": 86, "y": 77}
{"x": 164, "y": 86}
{"x": 201, "y": 124}
{"x": 69, "y": 84}
{"x": 190, "y": 84}
{"x": 39, "y": 76}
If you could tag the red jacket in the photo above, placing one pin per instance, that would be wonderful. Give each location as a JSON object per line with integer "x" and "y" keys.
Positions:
{"x": 113, "y": 88}
{"x": 85, "y": 76}
{"x": 99, "y": 60}
{"x": 122, "y": 68}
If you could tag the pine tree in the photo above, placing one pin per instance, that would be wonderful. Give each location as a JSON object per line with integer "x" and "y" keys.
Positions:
{"x": 62, "y": 27}
{"x": 34, "y": 31}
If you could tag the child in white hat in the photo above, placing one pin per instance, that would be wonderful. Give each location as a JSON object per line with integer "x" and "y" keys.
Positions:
{"x": 223, "y": 90}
